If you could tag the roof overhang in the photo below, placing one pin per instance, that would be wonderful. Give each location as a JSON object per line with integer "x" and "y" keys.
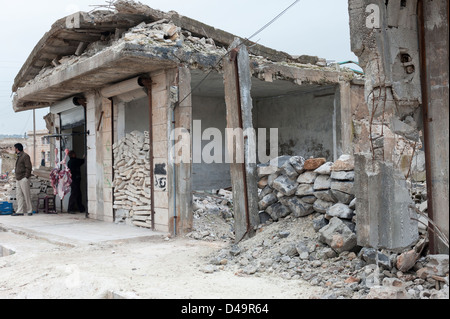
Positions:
{"x": 123, "y": 60}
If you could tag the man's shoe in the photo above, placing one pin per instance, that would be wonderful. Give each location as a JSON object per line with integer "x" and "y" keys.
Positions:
{"x": 16, "y": 214}
{"x": 30, "y": 214}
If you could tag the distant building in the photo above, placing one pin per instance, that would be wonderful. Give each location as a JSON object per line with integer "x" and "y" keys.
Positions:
{"x": 42, "y": 148}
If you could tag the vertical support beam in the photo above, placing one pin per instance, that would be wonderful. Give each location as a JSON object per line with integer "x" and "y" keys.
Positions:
{"x": 148, "y": 85}
{"x": 237, "y": 80}
{"x": 346, "y": 124}
{"x": 34, "y": 139}
{"x": 183, "y": 171}
{"x": 434, "y": 47}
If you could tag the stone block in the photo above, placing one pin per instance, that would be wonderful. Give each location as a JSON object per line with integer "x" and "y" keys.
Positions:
{"x": 322, "y": 182}
{"x": 308, "y": 177}
{"x": 344, "y": 163}
{"x": 304, "y": 190}
{"x": 298, "y": 207}
{"x": 267, "y": 201}
{"x": 285, "y": 185}
{"x": 338, "y": 236}
{"x": 325, "y": 169}
{"x": 341, "y": 211}
{"x": 298, "y": 163}
{"x": 341, "y": 197}
{"x": 278, "y": 210}
{"x": 343, "y": 175}
{"x": 322, "y": 206}
{"x": 325, "y": 195}
{"x": 314, "y": 163}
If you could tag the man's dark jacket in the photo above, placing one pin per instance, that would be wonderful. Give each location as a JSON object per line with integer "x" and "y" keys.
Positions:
{"x": 23, "y": 166}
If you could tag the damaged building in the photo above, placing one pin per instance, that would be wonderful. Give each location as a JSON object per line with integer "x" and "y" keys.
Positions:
{"x": 403, "y": 48}
{"x": 117, "y": 83}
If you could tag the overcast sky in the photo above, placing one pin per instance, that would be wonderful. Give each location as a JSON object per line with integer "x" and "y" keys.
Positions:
{"x": 312, "y": 27}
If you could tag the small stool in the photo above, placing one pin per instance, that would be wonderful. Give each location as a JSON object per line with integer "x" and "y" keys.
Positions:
{"x": 40, "y": 205}
{"x": 50, "y": 206}
{"x": 47, "y": 205}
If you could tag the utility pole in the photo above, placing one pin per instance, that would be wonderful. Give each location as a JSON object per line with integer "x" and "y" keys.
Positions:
{"x": 34, "y": 137}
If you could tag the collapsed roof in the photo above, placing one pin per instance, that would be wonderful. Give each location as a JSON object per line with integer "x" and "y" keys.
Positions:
{"x": 87, "y": 51}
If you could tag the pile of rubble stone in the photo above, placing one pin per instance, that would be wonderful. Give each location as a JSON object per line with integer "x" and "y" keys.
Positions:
{"x": 132, "y": 183}
{"x": 299, "y": 187}
{"x": 301, "y": 238}
{"x": 39, "y": 188}
{"x": 213, "y": 216}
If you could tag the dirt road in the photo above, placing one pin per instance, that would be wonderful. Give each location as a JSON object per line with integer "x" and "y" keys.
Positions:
{"x": 163, "y": 269}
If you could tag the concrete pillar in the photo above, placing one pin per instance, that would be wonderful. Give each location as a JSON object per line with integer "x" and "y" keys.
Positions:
{"x": 435, "y": 68}
{"x": 384, "y": 36}
{"x": 161, "y": 125}
{"x": 183, "y": 170}
{"x": 93, "y": 107}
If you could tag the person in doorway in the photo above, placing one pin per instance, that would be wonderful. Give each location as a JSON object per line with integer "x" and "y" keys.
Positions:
{"x": 75, "y": 199}
{"x": 23, "y": 173}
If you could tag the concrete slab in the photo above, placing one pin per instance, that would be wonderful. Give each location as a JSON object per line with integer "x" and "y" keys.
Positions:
{"x": 74, "y": 230}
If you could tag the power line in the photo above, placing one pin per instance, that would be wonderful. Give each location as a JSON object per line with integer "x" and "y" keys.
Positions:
{"x": 242, "y": 42}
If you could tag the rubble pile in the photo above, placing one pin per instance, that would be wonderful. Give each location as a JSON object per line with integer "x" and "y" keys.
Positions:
{"x": 301, "y": 240}
{"x": 293, "y": 250}
{"x": 132, "y": 197}
{"x": 213, "y": 216}
{"x": 39, "y": 188}
{"x": 299, "y": 187}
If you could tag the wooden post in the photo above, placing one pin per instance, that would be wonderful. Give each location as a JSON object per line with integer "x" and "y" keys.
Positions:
{"x": 237, "y": 81}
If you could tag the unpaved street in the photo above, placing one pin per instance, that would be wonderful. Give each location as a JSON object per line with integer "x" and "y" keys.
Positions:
{"x": 167, "y": 269}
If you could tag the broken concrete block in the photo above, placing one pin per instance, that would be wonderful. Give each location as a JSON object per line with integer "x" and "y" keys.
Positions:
{"x": 304, "y": 190}
{"x": 344, "y": 163}
{"x": 309, "y": 199}
{"x": 369, "y": 255}
{"x": 322, "y": 182}
{"x": 343, "y": 175}
{"x": 279, "y": 161}
{"x": 285, "y": 185}
{"x": 289, "y": 171}
{"x": 278, "y": 210}
{"x": 263, "y": 182}
{"x": 267, "y": 201}
{"x": 298, "y": 163}
{"x": 314, "y": 163}
{"x": 407, "y": 260}
{"x": 341, "y": 211}
{"x": 341, "y": 197}
{"x": 320, "y": 222}
{"x": 325, "y": 169}
{"x": 438, "y": 265}
{"x": 298, "y": 207}
{"x": 345, "y": 187}
{"x": 325, "y": 195}
{"x": 308, "y": 177}
{"x": 338, "y": 236}
{"x": 322, "y": 206}
{"x": 265, "y": 170}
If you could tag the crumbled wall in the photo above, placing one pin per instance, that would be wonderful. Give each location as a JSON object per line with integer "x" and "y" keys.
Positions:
{"x": 385, "y": 38}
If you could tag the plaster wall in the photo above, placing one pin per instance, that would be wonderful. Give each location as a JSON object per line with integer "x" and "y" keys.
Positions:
{"x": 306, "y": 122}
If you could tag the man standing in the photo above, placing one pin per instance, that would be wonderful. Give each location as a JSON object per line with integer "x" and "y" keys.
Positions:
{"x": 75, "y": 195}
{"x": 23, "y": 174}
